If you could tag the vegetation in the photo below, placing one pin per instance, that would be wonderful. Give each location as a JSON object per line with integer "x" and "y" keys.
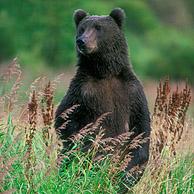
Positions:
{"x": 159, "y": 34}
{"x": 30, "y": 156}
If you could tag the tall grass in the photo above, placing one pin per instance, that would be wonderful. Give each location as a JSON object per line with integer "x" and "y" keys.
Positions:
{"x": 30, "y": 151}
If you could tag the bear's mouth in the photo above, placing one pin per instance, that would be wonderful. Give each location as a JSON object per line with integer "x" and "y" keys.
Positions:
{"x": 82, "y": 50}
{"x": 85, "y": 50}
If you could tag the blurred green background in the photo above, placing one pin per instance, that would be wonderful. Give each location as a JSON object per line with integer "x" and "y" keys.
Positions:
{"x": 160, "y": 34}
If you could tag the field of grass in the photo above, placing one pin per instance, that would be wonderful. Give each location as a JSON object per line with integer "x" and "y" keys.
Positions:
{"x": 30, "y": 156}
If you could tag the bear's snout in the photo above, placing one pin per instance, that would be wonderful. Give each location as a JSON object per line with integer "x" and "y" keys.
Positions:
{"x": 87, "y": 43}
{"x": 81, "y": 44}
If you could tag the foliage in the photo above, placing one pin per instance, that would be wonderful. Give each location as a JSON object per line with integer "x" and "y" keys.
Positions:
{"x": 42, "y": 33}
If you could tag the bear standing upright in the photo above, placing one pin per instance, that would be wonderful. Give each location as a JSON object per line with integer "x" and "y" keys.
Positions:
{"x": 105, "y": 82}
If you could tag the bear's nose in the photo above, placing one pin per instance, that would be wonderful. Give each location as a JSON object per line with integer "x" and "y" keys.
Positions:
{"x": 80, "y": 43}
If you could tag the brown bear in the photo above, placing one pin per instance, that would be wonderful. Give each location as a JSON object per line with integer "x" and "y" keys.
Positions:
{"x": 105, "y": 82}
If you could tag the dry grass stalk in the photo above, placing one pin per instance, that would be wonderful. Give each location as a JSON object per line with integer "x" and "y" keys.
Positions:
{"x": 186, "y": 142}
{"x": 90, "y": 129}
{"x": 169, "y": 117}
{"x": 47, "y": 110}
{"x": 122, "y": 151}
{"x": 65, "y": 116}
{"x": 9, "y": 100}
{"x": 12, "y": 69}
{"x": 32, "y": 120}
{"x": 56, "y": 81}
{"x": 39, "y": 84}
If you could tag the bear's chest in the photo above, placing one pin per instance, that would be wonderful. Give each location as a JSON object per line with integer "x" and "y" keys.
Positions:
{"x": 105, "y": 95}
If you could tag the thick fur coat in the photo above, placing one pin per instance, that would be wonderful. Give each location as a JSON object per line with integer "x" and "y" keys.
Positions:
{"x": 105, "y": 82}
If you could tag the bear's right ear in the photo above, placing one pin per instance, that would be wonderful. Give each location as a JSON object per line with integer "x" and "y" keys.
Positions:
{"x": 79, "y": 15}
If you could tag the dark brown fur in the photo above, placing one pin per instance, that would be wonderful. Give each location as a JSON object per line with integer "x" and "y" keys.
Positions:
{"x": 105, "y": 82}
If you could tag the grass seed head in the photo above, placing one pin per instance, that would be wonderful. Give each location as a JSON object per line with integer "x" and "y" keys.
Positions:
{"x": 169, "y": 117}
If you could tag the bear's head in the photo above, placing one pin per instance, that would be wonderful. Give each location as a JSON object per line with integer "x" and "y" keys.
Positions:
{"x": 99, "y": 33}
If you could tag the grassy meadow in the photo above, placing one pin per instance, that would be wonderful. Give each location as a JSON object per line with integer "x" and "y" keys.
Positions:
{"x": 30, "y": 156}
{"x": 41, "y": 34}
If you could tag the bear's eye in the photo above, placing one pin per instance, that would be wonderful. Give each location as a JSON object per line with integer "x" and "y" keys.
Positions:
{"x": 81, "y": 30}
{"x": 98, "y": 27}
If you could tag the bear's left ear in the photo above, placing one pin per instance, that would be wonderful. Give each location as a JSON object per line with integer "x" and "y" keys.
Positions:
{"x": 118, "y": 15}
{"x": 79, "y": 15}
